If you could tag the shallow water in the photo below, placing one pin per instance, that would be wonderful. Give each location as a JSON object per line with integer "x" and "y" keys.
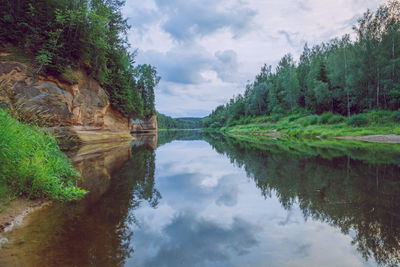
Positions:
{"x": 208, "y": 200}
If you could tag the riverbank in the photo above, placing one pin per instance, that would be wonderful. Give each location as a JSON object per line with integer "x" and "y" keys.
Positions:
{"x": 375, "y": 126}
{"x": 95, "y": 163}
{"x": 374, "y": 153}
{"x": 12, "y": 213}
{"x": 32, "y": 164}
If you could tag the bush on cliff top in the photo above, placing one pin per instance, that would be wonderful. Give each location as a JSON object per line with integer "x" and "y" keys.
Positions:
{"x": 32, "y": 163}
{"x": 60, "y": 36}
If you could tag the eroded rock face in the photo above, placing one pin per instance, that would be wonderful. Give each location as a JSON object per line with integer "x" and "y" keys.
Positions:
{"x": 81, "y": 110}
{"x": 145, "y": 126}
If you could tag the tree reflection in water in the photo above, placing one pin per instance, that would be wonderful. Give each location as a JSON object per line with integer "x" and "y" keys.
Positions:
{"x": 353, "y": 188}
{"x": 347, "y": 190}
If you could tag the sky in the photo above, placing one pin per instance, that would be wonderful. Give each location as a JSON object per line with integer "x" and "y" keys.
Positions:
{"x": 206, "y": 51}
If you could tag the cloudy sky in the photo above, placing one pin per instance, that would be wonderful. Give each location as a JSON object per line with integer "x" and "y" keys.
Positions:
{"x": 206, "y": 50}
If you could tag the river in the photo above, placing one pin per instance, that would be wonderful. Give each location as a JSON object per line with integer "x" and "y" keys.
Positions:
{"x": 198, "y": 199}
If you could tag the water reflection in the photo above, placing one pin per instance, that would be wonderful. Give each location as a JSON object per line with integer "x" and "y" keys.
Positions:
{"x": 95, "y": 231}
{"x": 146, "y": 139}
{"x": 271, "y": 203}
{"x": 189, "y": 240}
{"x": 166, "y": 137}
{"x": 97, "y": 163}
{"x": 359, "y": 196}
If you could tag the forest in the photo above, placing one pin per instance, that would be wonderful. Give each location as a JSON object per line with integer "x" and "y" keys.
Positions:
{"x": 167, "y": 122}
{"x": 342, "y": 77}
{"x": 59, "y": 36}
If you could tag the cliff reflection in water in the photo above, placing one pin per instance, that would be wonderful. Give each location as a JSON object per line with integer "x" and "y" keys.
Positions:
{"x": 353, "y": 190}
{"x": 95, "y": 231}
{"x": 96, "y": 163}
{"x": 211, "y": 214}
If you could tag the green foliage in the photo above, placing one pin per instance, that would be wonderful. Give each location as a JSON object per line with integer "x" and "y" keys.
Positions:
{"x": 358, "y": 120}
{"x": 216, "y": 125}
{"x": 335, "y": 118}
{"x": 308, "y": 126}
{"x": 336, "y": 79}
{"x": 146, "y": 81}
{"x": 70, "y": 76}
{"x": 396, "y": 116}
{"x": 329, "y": 118}
{"x": 360, "y": 179}
{"x": 167, "y": 122}
{"x": 380, "y": 116}
{"x": 308, "y": 120}
{"x": 275, "y": 117}
{"x": 62, "y": 35}
{"x": 32, "y": 163}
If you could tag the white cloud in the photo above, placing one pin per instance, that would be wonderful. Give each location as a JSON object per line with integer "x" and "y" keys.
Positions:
{"x": 206, "y": 50}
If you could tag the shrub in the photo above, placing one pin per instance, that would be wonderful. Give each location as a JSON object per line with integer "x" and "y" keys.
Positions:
{"x": 308, "y": 120}
{"x": 296, "y": 116}
{"x": 275, "y": 117}
{"x": 380, "y": 116}
{"x": 216, "y": 125}
{"x": 324, "y": 118}
{"x": 358, "y": 120}
{"x": 70, "y": 76}
{"x": 335, "y": 119}
{"x": 313, "y": 119}
{"x": 246, "y": 120}
{"x": 396, "y": 116}
{"x": 32, "y": 163}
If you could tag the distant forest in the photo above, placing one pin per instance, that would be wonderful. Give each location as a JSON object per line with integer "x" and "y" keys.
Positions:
{"x": 167, "y": 122}
{"x": 59, "y": 36}
{"x": 341, "y": 76}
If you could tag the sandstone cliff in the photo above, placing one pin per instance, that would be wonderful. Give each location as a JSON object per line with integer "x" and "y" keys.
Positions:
{"x": 145, "y": 126}
{"x": 78, "y": 112}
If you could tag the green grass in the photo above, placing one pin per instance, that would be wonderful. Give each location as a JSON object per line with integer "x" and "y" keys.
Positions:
{"x": 374, "y": 153}
{"x": 32, "y": 164}
{"x": 70, "y": 76}
{"x": 325, "y": 125}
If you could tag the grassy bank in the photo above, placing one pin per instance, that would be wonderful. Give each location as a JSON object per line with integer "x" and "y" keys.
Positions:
{"x": 325, "y": 125}
{"x": 325, "y": 148}
{"x": 32, "y": 164}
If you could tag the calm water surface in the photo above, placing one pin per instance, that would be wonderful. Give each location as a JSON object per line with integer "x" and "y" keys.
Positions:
{"x": 207, "y": 200}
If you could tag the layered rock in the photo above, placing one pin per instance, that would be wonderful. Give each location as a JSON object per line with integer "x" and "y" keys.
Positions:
{"x": 148, "y": 125}
{"x": 79, "y": 112}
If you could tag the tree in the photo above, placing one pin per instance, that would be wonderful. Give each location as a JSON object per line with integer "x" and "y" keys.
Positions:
{"x": 62, "y": 35}
{"x": 146, "y": 80}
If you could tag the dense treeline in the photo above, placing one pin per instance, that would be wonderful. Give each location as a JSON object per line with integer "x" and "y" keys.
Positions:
{"x": 341, "y": 76}
{"x": 63, "y": 35}
{"x": 167, "y": 122}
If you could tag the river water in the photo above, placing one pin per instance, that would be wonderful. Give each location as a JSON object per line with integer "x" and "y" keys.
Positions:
{"x": 198, "y": 199}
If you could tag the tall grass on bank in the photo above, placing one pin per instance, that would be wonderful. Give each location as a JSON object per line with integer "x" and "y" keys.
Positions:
{"x": 32, "y": 165}
{"x": 324, "y": 125}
